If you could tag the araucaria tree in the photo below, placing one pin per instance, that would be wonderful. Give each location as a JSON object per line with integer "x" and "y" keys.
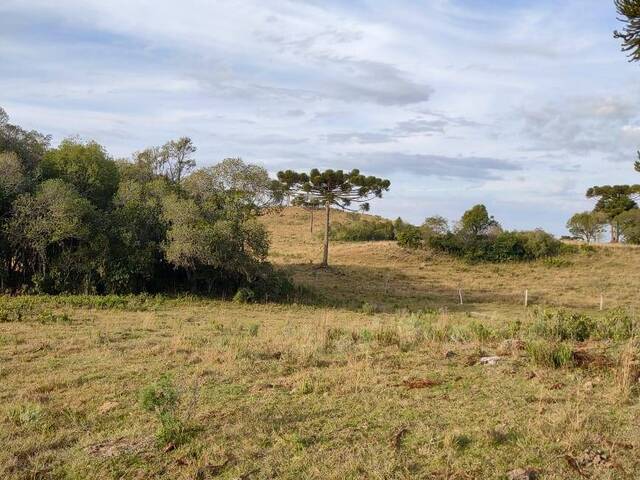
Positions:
{"x": 333, "y": 188}
{"x": 629, "y": 13}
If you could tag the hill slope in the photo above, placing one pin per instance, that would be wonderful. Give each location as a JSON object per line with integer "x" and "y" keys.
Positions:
{"x": 391, "y": 277}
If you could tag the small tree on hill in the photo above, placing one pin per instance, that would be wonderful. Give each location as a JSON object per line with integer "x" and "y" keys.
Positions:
{"x": 333, "y": 187}
{"x": 587, "y": 226}
{"x": 476, "y": 221}
{"x": 612, "y": 201}
{"x": 435, "y": 225}
{"x": 310, "y": 204}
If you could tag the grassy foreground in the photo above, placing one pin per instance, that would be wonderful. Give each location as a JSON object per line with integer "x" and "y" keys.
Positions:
{"x": 393, "y": 382}
{"x": 296, "y": 392}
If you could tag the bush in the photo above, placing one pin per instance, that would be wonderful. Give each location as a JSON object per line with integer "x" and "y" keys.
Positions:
{"x": 540, "y": 244}
{"x": 560, "y": 325}
{"x": 162, "y": 399}
{"x": 550, "y": 354}
{"x": 244, "y": 295}
{"x": 479, "y": 238}
{"x": 503, "y": 247}
{"x": 563, "y": 325}
{"x": 363, "y": 230}
{"x": 410, "y": 237}
{"x": 616, "y": 325}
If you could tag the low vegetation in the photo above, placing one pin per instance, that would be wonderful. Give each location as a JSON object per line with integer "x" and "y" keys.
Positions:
{"x": 206, "y": 389}
{"x": 478, "y": 237}
{"x": 382, "y": 374}
{"x": 363, "y": 229}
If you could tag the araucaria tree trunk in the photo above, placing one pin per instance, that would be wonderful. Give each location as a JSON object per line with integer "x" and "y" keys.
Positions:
{"x": 331, "y": 187}
{"x": 325, "y": 253}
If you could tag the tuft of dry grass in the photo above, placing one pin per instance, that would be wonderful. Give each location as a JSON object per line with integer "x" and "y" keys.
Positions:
{"x": 628, "y": 371}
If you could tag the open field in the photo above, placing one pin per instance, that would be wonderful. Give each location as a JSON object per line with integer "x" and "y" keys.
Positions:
{"x": 390, "y": 277}
{"x": 387, "y": 384}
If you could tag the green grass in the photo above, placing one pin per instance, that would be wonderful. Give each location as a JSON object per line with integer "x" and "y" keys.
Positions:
{"x": 377, "y": 375}
{"x": 311, "y": 393}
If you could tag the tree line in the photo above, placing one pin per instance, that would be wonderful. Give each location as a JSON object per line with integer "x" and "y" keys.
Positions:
{"x": 478, "y": 237}
{"x": 73, "y": 219}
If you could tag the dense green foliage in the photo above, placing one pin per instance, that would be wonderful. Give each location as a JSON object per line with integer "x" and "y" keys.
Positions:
{"x": 629, "y": 223}
{"x": 502, "y": 247}
{"x": 587, "y": 226}
{"x": 76, "y": 221}
{"x": 364, "y": 230}
{"x": 479, "y": 238}
{"x": 612, "y": 201}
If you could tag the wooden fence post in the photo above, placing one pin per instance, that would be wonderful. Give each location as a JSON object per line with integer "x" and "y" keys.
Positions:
{"x": 526, "y": 298}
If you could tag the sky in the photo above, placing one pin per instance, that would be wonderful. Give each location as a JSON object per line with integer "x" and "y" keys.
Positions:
{"x": 517, "y": 104}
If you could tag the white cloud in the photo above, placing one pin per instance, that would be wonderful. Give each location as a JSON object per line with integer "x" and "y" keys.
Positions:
{"x": 523, "y": 105}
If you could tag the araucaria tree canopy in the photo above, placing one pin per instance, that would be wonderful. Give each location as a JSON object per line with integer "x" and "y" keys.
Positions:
{"x": 629, "y": 13}
{"x": 332, "y": 188}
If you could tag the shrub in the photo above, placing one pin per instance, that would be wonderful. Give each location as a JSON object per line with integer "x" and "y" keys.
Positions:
{"x": 502, "y": 247}
{"x": 162, "y": 399}
{"x": 480, "y": 332}
{"x": 563, "y": 325}
{"x": 616, "y": 325}
{"x": 275, "y": 285}
{"x": 479, "y": 238}
{"x": 410, "y": 237}
{"x": 550, "y": 354}
{"x": 244, "y": 295}
{"x": 540, "y": 244}
{"x": 363, "y": 230}
{"x": 560, "y": 325}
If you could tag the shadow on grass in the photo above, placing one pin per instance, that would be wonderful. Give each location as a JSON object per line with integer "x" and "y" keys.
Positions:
{"x": 388, "y": 290}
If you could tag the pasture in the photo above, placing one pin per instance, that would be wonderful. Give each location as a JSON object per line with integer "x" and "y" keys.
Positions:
{"x": 380, "y": 374}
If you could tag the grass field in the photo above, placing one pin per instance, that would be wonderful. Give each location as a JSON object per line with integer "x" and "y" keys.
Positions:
{"x": 387, "y": 383}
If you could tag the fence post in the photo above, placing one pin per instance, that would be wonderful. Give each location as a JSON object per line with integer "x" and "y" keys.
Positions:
{"x": 526, "y": 297}
{"x": 601, "y": 301}
{"x": 460, "y": 295}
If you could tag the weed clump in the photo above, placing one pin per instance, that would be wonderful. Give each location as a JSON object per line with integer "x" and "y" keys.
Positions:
{"x": 550, "y": 354}
{"x": 162, "y": 399}
{"x": 369, "y": 308}
{"x": 562, "y": 325}
{"x": 387, "y": 337}
{"x": 244, "y": 295}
